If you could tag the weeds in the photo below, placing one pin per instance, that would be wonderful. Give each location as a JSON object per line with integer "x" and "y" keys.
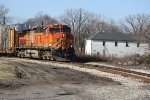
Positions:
{"x": 128, "y": 60}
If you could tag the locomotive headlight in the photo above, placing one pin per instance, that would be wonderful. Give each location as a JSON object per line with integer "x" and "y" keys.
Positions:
{"x": 50, "y": 44}
{"x": 63, "y": 35}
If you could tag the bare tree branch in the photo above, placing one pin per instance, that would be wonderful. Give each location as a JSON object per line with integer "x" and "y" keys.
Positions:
{"x": 136, "y": 24}
{"x": 41, "y": 20}
{"x": 3, "y": 15}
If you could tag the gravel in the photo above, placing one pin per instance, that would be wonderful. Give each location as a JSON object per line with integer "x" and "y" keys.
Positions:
{"x": 128, "y": 68}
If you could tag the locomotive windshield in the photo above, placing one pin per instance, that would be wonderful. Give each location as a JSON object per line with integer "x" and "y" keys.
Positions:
{"x": 54, "y": 30}
{"x": 66, "y": 30}
{"x": 57, "y": 30}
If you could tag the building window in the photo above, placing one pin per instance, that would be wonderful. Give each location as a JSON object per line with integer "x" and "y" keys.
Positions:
{"x": 127, "y": 44}
{"x": 103, "y": 43}
{"x": 116, "y": 44}
{"x": 138, "y": 44}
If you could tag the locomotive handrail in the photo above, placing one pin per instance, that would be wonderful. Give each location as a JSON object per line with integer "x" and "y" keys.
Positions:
{"x": 56, "y": 44}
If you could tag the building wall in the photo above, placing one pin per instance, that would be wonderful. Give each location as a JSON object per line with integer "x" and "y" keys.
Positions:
{"x": 97, "y": 48}
{"x": 0, "y": 38}
{"x": 88, "y": 47}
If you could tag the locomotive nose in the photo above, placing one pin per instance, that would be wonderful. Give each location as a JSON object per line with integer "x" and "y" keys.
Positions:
{"x": 64, "y": 40}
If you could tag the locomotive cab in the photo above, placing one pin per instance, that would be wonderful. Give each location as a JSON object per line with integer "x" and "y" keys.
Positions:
{"x": 62, "y": 39}
{"x": 60, "y": 34}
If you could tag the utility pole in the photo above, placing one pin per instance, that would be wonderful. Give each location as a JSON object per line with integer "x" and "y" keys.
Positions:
{"x": 42, "y": 24}
{"x": 4, "y": 35}
{"x": 4, "y": 20}
{"x": 80, "y": 19}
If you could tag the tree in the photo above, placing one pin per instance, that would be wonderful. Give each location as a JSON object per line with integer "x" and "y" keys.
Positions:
{"x": 3, "y": 14}
{"x": 112, "y": 26}
{"x": 41, "y": 20}
{"x": 84, "y": 24}
{"x": 99, "y": 24}
{"x": 4, "y": 19}
{"x": 77, "y": 19}
{"x": 136, "y": 24}
{"x": 31, "y": 22}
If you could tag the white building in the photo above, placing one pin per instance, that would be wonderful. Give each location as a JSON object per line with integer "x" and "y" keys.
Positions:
{"x": 115, "y": 44}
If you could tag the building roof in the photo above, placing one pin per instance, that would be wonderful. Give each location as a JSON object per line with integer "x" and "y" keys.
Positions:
{"x": 104, "y": 36}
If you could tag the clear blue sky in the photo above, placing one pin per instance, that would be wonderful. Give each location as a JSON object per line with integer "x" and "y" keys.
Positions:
{"x": 115, "y": 9}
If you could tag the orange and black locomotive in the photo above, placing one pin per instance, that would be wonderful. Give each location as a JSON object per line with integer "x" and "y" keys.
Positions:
{"x": 53, "y": 42}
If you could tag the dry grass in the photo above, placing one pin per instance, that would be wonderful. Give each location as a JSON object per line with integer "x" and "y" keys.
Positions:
{"x": 128, "y": 60}
{"x": 85, "y": 58}
{"x": 6, "y": 72}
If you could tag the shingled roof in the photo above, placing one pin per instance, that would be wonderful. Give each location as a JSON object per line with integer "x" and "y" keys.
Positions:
{"x": 104, "y": 36}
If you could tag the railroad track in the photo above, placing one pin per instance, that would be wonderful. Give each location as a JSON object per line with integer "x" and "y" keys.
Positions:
{"x": 144, "y": 77}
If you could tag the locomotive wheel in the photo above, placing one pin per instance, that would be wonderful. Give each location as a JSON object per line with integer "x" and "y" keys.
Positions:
{"x": 22, "y": 54}
{"x": 43, "y": 56}
{"x": 17, "y": 54}
{"x": 51, "y": 58}
{"x": 46, "y": 55}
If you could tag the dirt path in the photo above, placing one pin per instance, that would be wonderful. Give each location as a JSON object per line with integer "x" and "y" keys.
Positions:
{"x": 39, "y": 81}
{"x": 37, "y": 73}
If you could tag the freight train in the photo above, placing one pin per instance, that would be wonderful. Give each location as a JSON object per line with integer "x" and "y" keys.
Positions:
{"x": 52, "y": 42}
